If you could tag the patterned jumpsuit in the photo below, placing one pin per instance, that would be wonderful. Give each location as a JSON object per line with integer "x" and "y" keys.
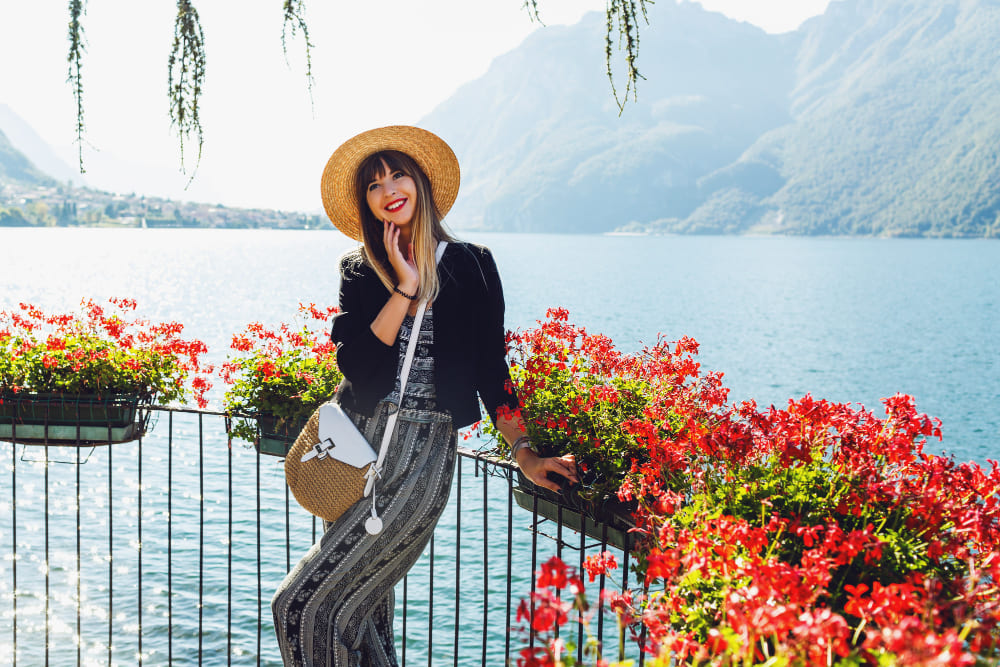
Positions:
{"x": 335, "y": 609}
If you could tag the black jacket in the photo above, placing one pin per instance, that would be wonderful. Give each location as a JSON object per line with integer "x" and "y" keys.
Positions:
{"x": 469, "y": 337}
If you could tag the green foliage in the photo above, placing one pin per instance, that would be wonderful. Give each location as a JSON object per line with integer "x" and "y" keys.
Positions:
{"x": 624, "y": 15}
{"x": 581, "y": 413}
{"x": 13, "y": 217}
{"x": 815, "y": 495}
{"x": 579, "y": 395}
{"x": 295, "y": 21}
{"x": 186, "y": 76}
{"x": 75, "y": 58}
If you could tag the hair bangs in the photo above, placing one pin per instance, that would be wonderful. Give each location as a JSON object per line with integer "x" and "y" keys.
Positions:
{"x": 374, "y": 167}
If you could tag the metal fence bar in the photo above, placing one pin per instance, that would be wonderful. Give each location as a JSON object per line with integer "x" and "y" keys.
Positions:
{"x": 201, "y": 537}
{"x": 406, "y": 578}
{"x": 430, "y": 609}
{"x": 111, "y": 557}
{"x": 228, "y": 509}
{"x": 13, "y": 543}
{"x": 288, "y": 531}
{"x": 510, "y": 541}
{"x": 139, "y": 552}
{"x": 583, "y": 552}
{"x": 79, "y": 579}
{"x": 229, "y": 547}
{"x": 48, "y": 567}
{"x": 458, "y": 554}
{"x": 260, "y": 587}
{"x": 170, "y": 538}
{"x": 486, "y": 555}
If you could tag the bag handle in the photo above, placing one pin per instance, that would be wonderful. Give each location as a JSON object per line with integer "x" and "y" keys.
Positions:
{"x": 374, "y": 524}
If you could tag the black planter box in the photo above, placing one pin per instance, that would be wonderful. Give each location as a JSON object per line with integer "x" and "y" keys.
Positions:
{"x": 69, "y": 419}
{"x": 277, "y": 435}
{"x": 609, "y": 518}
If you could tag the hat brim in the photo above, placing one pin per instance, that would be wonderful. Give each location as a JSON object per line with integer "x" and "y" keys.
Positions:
{"x": 433, "y": 155}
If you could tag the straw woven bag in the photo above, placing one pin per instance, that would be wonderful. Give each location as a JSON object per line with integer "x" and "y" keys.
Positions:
{"x": 324, "y": 487}
{"x": 327, "y": 487}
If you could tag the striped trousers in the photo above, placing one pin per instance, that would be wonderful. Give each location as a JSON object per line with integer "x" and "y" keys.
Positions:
{"x": 335, "y": 608}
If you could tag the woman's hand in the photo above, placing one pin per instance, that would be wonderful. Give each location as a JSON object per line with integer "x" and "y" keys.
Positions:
{"x": 405, "y": 266}
{"x": 536, "y": 468}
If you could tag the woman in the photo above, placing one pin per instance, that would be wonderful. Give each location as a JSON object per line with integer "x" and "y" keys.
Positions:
{"x": 390, "y": 189}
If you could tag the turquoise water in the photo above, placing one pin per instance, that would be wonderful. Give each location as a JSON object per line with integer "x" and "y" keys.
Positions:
{"x": 845, "y": 319}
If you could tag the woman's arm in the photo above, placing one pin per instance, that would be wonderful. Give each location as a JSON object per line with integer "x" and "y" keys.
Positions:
{"x": 360, "y": 353}
{"x": 494, "y": 383}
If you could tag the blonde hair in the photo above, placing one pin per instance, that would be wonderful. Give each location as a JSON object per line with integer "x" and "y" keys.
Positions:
{"x": 426, "y": 223}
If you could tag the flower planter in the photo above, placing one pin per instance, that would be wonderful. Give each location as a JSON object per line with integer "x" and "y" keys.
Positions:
{"x": 277, "y": 435}
{"x": 610, "y": 518}
{"x": 71, "y": 419}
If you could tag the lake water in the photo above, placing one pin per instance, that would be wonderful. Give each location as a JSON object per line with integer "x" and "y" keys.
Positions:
{"x": 845, "y": 319}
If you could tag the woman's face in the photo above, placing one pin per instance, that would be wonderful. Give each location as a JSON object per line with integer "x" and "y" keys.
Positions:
{"x": 393, "y": 197}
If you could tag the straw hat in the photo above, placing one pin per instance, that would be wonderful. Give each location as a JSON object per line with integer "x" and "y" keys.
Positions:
{"x": 433, "y": 155}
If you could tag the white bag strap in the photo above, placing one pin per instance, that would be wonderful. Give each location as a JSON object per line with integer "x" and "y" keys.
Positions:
{"x": 375, "y": 470}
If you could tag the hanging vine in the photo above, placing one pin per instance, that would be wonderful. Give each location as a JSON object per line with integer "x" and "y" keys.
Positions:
{"x": 624, "y": 13}
{"x": 295, "y": 21}
{"x": 186, "y": 66}
{"x": 186, "y": 77}
{"x": 75, "y": 58}
{"x": 531, "y": 6}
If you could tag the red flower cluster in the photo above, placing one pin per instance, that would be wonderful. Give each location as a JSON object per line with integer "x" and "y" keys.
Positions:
{"x": 817, "y": 534}
{"x": 611, "y": 410}
{"x": 549, "y": 610}
{"x": 287, "y": 372}
{"x": 103, "y": 350}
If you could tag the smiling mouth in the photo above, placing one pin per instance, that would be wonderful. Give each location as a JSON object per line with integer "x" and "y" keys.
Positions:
{"x": 395, "y": 206}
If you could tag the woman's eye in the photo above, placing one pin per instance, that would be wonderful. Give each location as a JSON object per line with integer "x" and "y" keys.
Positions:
{"x": 398, "y": 175}
{"x": 372, "y": 186}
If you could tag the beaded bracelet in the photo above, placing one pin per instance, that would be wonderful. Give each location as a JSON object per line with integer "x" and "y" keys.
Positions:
{"x": 518, "y": 445}
{"x": 402, "y": 293}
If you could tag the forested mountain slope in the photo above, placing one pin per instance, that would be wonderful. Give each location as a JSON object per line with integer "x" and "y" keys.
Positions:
{"x": 879, "y": 117}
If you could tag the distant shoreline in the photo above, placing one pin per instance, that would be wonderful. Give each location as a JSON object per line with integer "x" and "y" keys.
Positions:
{"x": 327, "y": 226}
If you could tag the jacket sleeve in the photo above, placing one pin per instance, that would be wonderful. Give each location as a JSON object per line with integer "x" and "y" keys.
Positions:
{"x": 360, "y": 353}
{"x": 493, "y": 375}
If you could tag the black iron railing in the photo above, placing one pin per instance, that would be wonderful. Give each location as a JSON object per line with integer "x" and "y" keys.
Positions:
{"x": 166, "y": 550}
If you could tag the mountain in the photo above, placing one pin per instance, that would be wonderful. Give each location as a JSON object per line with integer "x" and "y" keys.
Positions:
{"x": 896, "y": 132}
{"x": 542, "y": 144}
{"x": 15, "y": 167}
{"x": 880, "y": 117}
{"x": 23, "y": 137}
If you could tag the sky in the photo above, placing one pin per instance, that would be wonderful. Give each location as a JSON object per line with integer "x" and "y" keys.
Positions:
{"x": 375, "y": 62}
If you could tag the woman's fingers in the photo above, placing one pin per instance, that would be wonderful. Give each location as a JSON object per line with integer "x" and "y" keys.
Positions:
{"x": 565, "y": 466}
{"x": 561, "y": 465}
{"x": 387, "y": 238}
{"x": 390, "y": 238}
{"x": 406, "y": 269}
{"x": 541, "y": 480}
